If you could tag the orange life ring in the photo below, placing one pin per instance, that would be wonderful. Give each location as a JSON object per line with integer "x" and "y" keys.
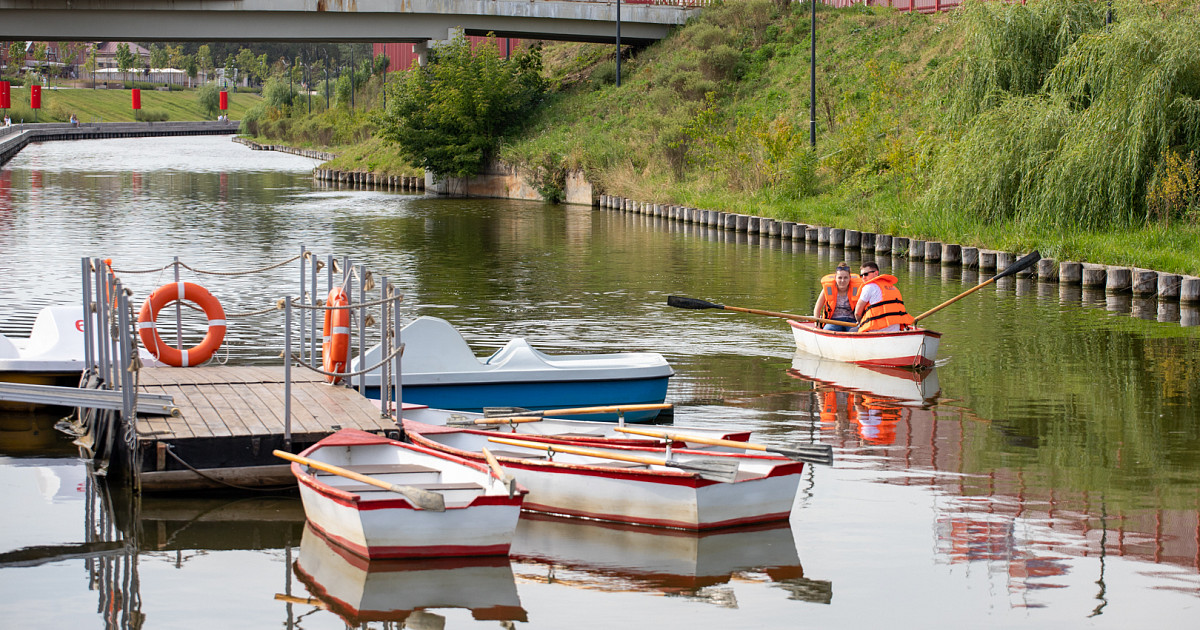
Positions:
{"x": 174, "y": 292}
{"x": 335, "y": 346}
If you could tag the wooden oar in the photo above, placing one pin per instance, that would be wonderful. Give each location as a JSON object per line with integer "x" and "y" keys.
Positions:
{"x": 714, "y": 469}
{"x": 424, "y": 499}
{"x": 509, "y": 482}
{"x": 813, "y": 453}
{"x": 1020, "y": 265}
{"x": 520, "y": 412}
{"x": 693, "y": 303}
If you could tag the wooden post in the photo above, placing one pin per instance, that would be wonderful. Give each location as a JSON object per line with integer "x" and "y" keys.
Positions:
{"x": 1168, "y": 286}
{"x": 1145, "y": 282}
{"x": 1047, "y": 270}
{"x": 951, "y": 255}
{"x": 1094, "y": 276}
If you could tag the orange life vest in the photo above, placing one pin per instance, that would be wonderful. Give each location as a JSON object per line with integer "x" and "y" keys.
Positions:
{"x": 887, "y": 311}
{"x": 830, "y": 289}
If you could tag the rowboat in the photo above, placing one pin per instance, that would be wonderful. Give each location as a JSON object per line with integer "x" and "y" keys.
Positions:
{"x": 671, "y": 495}
{"x": 583, "y": 431}
{"x": 916, "y": 348}
{"x": 441, "y": 370}
{"x": 621, "y": 557}
{"x": 906, "y": 387}
{"x": 479, "y": 515}
{"x": 361, "y": 591}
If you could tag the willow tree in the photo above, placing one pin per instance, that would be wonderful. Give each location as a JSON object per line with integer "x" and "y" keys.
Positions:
{"x": 449, "y": 115}
{"x": 1081, "y": 150}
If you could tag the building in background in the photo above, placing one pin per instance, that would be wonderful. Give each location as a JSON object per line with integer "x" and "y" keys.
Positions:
{"x": 403, "y": 56}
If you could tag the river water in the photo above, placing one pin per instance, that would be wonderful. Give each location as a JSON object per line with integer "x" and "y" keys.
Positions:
{"x": 1046, "y": 474}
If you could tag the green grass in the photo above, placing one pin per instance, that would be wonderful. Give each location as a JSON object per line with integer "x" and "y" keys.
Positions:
{"x": 116, "y": 105}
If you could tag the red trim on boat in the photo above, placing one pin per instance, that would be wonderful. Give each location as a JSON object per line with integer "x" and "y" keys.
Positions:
{"x": 654, "y": 522}
{"x": 430, "y": 551}
{"x": 811, "y": 328}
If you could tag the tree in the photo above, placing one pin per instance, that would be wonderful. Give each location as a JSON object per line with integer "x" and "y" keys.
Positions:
{"x": 230, "y": 66}
{"x": 125, "y": 59}
{"x": 209, "y": 97}
{"x": 159, "y": 56}
{"x": 204, "y": 60}
{"x": 190, "y": 66}
{"x": 89, "y": 65}
{"x": 16, "y": 57}
{"x": 449, "y": 116}
{"x": 39, "y": 55}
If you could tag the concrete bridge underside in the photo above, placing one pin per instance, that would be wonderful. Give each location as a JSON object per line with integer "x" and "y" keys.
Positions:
{"x": 332, "y": 20}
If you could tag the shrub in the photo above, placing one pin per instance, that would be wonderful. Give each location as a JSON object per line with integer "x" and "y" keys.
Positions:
{"x": 150, "y": 115}
{"x": 209, "y": 97}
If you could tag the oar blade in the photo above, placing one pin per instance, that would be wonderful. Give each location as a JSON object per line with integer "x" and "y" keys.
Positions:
{"x": 424, "y": 499}
{"x": 811, "y": 454}
{"x": 1020, "y": 265}
{"x": 687, "y": 302}
{"x": 712, "y": 469}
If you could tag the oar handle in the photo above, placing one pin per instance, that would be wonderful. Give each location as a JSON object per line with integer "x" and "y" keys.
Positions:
{"x": 586, "y": 452}
{"x": 332, "y": 469}
{"x": 799, "y": 318}
{"x": 494, "y": 464}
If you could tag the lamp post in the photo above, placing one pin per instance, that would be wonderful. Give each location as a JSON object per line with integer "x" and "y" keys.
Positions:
{"x": 812, "y": 80}
{"x": 618, "y": 43}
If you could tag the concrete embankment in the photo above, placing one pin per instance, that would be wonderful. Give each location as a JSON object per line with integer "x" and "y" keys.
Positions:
{"x": 17, "y": 137}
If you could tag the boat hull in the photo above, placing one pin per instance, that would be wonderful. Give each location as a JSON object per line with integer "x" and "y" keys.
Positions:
{"x": 906, "y": 348}
{"x": 656, "y": 496}
{"x": 377, "y": 524}
{"x": 473, "y": 397}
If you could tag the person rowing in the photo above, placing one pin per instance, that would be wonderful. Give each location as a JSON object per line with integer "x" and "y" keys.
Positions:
{"x": 880, "y": 307}
{"x": 839, "y": 296}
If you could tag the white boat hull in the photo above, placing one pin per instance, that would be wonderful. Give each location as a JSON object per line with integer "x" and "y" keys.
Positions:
{"x": 659, "y": 496}
{"x": 906, "y": 348}
{"x": 376, "y": 523}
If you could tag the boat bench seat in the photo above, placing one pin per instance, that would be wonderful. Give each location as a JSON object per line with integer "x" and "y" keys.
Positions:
{"x": 382, "y": 469}
{"x": 517, "y": 454}
{"x": 359, "y": 488}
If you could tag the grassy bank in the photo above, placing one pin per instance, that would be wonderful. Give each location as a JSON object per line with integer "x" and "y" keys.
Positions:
{"x": 116, "y": 105}
{"x": 1000, "y": 125}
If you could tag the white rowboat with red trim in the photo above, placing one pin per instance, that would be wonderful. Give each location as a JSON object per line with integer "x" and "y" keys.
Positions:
{"x": 480, "y": 517}
{"x": 916, "y": 348}
{"x": 763, "y": 490}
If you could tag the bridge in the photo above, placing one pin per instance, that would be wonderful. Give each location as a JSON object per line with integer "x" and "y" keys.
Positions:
{"x": 338, "y": 20}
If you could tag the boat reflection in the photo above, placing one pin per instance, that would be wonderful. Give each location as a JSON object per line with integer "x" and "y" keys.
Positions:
{"x": 616, "y": 557}
{"x": 867, "y": 401}
{"x": 361, "y": 591}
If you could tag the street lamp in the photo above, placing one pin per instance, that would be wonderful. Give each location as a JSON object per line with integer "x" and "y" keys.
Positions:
{"x": 812, "y": 80}
{"x": 618, "y": 43}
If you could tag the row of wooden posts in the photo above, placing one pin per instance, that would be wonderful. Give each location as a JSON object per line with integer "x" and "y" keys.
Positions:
{"x": 1112, "y": 278}
{"x": 388, "y": 182}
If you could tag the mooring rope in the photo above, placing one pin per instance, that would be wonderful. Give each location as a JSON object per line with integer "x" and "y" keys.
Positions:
{"x": 343, "y": 375}
{"x": 171, "y": 452}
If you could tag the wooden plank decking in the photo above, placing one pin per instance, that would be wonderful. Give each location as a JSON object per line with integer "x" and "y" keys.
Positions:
{"x": 231, "y": 417}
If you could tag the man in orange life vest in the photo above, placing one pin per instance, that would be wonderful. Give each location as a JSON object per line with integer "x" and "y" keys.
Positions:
{"x": 880, "y": 307}
{"x": 839, "y": 295}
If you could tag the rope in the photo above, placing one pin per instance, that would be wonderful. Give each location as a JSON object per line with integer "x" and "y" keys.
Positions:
{"x": 212, "y": 273}
{"x": 389, "y": 357}
{"x": 171, "y": 452}
{"x": 322, "y": 307}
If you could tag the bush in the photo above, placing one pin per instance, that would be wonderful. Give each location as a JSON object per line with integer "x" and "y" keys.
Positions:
{"x": 150, "y": 115}
{"x": 252, "y": 119}
{"x": 278, "y": 94}
{"x": 209, "y": 97}
{"x": 605, "y": 73}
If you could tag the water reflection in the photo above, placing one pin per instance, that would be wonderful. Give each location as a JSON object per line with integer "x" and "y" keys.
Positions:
{"x": 696, "y": 566}
{"x": 361, "y": 591}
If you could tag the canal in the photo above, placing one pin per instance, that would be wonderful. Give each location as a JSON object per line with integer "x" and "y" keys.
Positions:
{"x": 1045, "y": 474}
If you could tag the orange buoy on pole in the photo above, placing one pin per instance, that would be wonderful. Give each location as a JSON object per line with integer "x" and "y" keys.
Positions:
{"x": 335, "y": 347}
{"x": 169, "y": 294}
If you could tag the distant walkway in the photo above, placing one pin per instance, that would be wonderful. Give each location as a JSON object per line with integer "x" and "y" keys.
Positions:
{"x": 16, "y": 137}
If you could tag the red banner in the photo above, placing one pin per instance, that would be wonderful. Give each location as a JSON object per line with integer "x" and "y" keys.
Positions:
{"x": 224, "y": 100}
{"x": 35, "y": 96}
{"x": 137, "y": 98}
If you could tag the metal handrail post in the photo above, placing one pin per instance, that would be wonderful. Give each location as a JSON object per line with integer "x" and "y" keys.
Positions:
{"x": 178, "y": 313}
{"x": 396, "y": 361}
{"x": 287, "y": 373}
{"x": 312, "y": 313}
{"x": 127, "y": 391}
{"x": 385, "y": 348}
{"x": 88, "y": 350}
{"x": 302, "y": 287}
{"x": 362, "y": 326}
{"x": 102, "y": 320}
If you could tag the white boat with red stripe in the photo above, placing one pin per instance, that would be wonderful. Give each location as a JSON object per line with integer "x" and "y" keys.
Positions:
{"x": 480, "y": 516}
{"x": 763, "y": 489}
{"x": 916, "y": 348}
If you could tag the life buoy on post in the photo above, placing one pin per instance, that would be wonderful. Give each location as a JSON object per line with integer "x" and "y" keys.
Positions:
{"x": 174, "y": 292}
{"x": 335, "y": 346}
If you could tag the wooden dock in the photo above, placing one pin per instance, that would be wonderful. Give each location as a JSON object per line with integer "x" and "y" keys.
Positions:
{"x": 232, "y": 417}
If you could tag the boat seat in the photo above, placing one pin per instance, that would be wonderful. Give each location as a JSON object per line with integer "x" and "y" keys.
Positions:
{"x": 382, "y": 469}
{"x": 518, "y": 454}
{"x": 359, "y": 488}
